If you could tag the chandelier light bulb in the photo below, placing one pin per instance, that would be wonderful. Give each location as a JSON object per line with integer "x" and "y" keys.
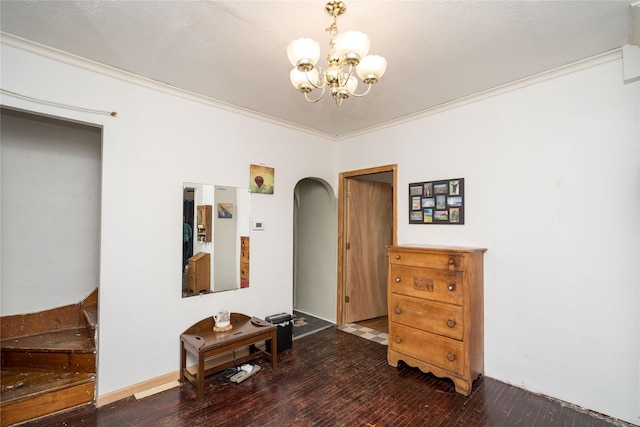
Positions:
{"x": 371, "y": 68}
{"x": 304, "y": 81}
{"x": 303, "y": 53}
{"x": 352, "y": 46}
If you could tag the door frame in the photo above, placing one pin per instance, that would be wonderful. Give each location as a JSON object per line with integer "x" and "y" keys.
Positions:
{"x": 342, "y": 226}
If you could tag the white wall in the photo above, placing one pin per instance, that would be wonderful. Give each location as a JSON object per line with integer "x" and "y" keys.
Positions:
{"x": 552, "y": 190}
{"x": 155, "y": 144}
{"x": 50, "y": 213}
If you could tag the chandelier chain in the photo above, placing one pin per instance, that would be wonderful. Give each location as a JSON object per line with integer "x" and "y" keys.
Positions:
{"x": 332, "y": 30}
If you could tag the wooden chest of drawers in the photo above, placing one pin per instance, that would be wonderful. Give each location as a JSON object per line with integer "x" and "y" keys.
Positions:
{"x": 244, "y": 261}
{"x": 200, "y": 273}
{"x": 436, "y": 314}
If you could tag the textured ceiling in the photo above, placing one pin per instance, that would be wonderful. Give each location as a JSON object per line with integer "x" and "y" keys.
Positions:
{"x": 235, "y": 51}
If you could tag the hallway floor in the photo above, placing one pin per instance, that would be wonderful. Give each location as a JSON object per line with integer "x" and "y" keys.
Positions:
{"x": 305, "y": 324}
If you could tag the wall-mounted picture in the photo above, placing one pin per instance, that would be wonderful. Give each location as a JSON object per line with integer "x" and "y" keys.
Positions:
{"x": 415, "y": 203}
{"x": 225, "y": 210}
{"x": 428, "y": 202}
{"x": 261, "y": 179}
{"x": 428, "y": 216}
{"x": 415, "y": 191}
{"x": 437, "y": 202}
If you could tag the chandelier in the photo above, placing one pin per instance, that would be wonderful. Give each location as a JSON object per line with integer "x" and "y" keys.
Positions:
{"x": 347, "y": 53}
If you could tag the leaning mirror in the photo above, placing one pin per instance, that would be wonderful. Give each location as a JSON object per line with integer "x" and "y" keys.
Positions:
{"x": 215, "y": 238}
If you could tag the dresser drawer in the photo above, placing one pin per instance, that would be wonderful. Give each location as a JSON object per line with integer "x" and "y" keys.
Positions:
{"x": 440, "y": 261}
{"x": 244, "y": 271}
{"x": 437, "y": 285}
{"x": 439, "y": 318}
{"x": 439, "y": 351}
{"x": 244, "y": 249}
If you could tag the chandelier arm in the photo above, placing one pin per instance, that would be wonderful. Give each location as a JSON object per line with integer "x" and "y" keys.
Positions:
{"x": 313, "y": 101}
{"x": 344, "y": 77}
{"x": 321, "y": 73}
{"x": 363, "y": 94}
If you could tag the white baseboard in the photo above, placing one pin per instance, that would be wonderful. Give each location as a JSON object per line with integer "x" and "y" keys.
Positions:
{"x": 131, "y": 390}
{"x": 123, "y": 393}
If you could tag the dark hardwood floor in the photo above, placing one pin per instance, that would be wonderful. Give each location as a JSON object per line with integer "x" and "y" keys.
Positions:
{"x": 332, "y": 378}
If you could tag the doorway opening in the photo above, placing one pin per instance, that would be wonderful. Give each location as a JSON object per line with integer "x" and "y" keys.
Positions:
{"x": 367, "y": 224}
{"x": 314, "y": 249}
{"x": 51, "y": 232}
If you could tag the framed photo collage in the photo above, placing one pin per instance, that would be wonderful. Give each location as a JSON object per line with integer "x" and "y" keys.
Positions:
{"x": 437, "y": 202}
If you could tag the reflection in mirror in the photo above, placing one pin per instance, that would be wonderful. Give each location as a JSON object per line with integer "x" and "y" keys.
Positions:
{"x": 215, "y": 238}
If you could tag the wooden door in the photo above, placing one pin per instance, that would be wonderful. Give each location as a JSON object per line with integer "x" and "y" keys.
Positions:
{"x": 369, "y": 230}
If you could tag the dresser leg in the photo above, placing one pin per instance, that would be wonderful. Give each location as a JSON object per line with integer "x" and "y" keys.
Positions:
{"x": 462, "y": 386}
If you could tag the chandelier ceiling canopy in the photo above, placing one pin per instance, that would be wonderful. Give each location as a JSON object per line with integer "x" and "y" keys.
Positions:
{"x": 347, "y": 56}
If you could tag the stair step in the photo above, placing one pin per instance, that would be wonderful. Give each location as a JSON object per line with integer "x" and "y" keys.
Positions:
{"x": 28, "y": 395}
{"x": 48, "y": 361}
{"x": 74, "y": 340}
{"x": 60, "y": 350}
{"x": 91, "y": 314}
{"x": 91, "y": 317}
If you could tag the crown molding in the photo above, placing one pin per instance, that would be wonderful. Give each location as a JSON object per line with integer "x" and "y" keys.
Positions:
{"x": 122, "y": 75}
{"x": 593, "y": 61}
{"x": 116, "y": 73}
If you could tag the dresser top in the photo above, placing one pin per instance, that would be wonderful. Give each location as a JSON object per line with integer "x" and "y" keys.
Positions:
{"x": 439, "y": 248}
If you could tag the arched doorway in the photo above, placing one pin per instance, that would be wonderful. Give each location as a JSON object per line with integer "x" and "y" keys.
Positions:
{"x": 315, "y": 249}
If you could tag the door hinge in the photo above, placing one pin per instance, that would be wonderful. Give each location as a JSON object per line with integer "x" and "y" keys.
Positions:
{"x": 348, "y": 246}
{"x": 346, "y": 299}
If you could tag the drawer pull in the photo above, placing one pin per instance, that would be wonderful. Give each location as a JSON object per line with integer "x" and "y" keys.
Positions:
{"x": 397, "y": 256}
{"x": 398, "y": 310}
{"x": 398, "y": 279}
{"x": 451, "y": 323}
{"x": 451, "y": 357}
{"x": 451, "y": 287}
{"x": 398, "y": 339}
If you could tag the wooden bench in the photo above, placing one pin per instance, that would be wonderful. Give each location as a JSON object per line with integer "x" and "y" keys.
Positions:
{"x": 202, "y": 342}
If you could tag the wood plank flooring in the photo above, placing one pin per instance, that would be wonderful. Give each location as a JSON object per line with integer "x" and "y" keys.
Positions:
{"x": 377, "y": 324}
{"x": 332, "y": 378}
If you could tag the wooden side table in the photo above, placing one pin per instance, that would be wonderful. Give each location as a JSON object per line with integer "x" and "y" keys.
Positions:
{"x": 202, "y": 342}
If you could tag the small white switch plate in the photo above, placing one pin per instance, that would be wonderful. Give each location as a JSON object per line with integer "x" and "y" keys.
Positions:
{"x": 257, "y": 225}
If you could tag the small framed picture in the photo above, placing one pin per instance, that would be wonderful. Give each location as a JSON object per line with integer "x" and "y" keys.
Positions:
{"x": 415, "y": 203}
{"x": 437, "y": 202}
{"x": 261, "y": 179}
{"x": 225, "y": 210}
{"x": 415, "y": 191}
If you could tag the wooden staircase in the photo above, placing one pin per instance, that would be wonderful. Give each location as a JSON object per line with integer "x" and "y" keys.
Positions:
{"x": 48, "y": 361}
